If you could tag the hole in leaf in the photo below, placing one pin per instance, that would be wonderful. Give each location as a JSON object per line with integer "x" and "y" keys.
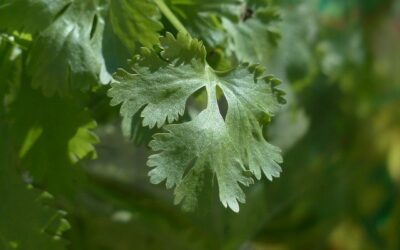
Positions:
{"x": 94, "y": 26}
{"x": 62, "y": 11}
{"x": 222, "y": 102}
{"x": 197, "y": 102}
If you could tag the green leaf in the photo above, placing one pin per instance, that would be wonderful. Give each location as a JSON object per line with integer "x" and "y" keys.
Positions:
{"x": 135, "y": 20}
{"x": 162, "y": 83}
{"x": 11, "y": 65}
{"x": 29, "y": 15}
{"x": 25, "y": 221}
{"x": 252, "y": 36}
{"x": 66, "y": 53}
{"x": 246, "y": 29}
{"x": 202, "y": 18}
{"x": 52, "y": 136}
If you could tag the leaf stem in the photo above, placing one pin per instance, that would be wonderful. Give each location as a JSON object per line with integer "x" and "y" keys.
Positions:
{"x": 171, "y": 16}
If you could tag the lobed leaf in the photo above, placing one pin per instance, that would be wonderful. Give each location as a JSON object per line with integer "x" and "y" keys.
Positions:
{"x": 25, "y": 221}
{"x": 158, "y": 87}
{"x": 244, "y": 28}
{"x": 135, "y": 20}
{"x": 51, "y": 136}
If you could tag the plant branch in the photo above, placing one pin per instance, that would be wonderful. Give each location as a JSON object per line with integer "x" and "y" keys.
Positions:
{"x": 171, "y": 16}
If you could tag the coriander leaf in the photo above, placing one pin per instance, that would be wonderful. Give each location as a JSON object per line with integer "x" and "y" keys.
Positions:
{"x": 253, "y": 33}
{"x": 10, "y": 69}
{"x": 29, "y": 15}
{"x": 52, "y": 135}
{"x": 25, "y": 221}
{"x": 135, "y": 20}
{"x": 201, "y": 145}
{"x": 243, "y": 28}
{"x": 202, "y": 17}
{"x": 66, "y": 53}
{"x": 162, "y": 82}
{"x": 161, "y": 88}
{"x": 24, "y": 218}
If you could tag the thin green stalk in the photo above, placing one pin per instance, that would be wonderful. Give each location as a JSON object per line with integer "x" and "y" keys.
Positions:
{"x": 171, "y": 16}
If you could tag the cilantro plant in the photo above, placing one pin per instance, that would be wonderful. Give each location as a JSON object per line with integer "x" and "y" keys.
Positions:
{"x": 159, "y": 124}
{"x": 193, "y": 90}
{"x": 229, "y": 147}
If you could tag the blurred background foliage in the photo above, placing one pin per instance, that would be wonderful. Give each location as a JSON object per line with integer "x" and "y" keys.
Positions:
{"x": 340, "y": 133}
